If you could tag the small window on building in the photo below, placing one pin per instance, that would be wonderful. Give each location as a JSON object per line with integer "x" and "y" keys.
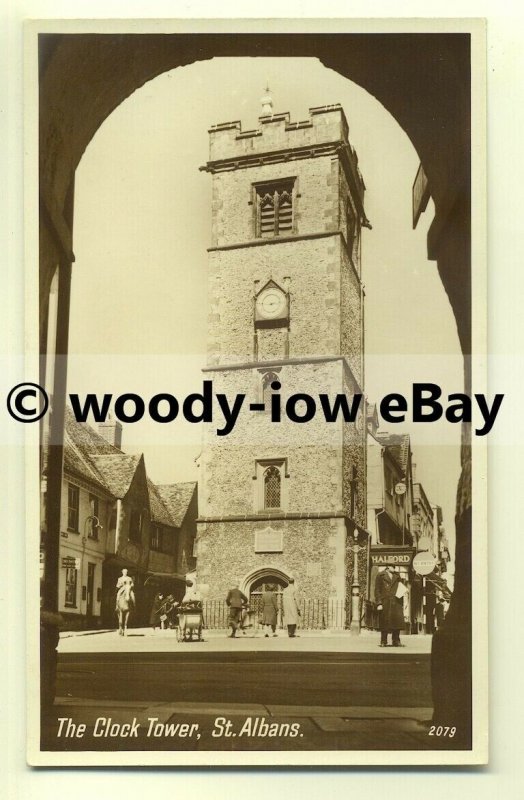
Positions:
{"x": 267, "y": 379}
{"x": 94, "y": 505}
{"x": 135, "y": 526}
{"x": 156, "y": 540}
{"x": 73, "y": 505}
{"x": 70, "y": 587}
{"x": 275, "y": 209}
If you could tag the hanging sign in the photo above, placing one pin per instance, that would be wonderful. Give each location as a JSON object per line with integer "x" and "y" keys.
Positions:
{"x": 424, "y": 563}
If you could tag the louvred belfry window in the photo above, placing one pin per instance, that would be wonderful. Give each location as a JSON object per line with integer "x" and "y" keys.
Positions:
{"x": 275, "y": 209}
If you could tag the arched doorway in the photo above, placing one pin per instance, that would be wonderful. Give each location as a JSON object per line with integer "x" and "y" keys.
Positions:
{"x": 267, "y": 583}
{"x": 266, "y": 580}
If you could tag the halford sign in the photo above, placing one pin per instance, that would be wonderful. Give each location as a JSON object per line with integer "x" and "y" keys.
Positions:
{"x": 403, "y": 558}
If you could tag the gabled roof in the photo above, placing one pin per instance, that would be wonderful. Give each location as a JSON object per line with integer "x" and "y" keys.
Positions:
{"x": 90, "y": 456}
{"x": 159, "y": 512}
{"x": 176, "y": 498}
{"x": 76, "y": 463}
{"x": 117, "y": 471}
{"x": 81, "y": 442}
{"x": 398, "y": 446}
{"x": 85, "y": 437}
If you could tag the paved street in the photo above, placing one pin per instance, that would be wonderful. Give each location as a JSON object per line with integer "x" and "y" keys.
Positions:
{"x": 343, "y": 692}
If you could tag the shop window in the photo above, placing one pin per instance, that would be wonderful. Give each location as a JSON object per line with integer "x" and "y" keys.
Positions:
{"x": 70, "y": 587}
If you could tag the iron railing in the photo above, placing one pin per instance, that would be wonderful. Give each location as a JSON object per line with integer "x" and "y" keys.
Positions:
{"x": 315, "y": 614}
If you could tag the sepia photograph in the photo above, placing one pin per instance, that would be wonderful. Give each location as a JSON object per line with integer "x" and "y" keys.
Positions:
{"x": 260, "y": 448}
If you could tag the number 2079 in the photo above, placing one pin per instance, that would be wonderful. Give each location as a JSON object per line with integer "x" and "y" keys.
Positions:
{"x": 442, "y": 730}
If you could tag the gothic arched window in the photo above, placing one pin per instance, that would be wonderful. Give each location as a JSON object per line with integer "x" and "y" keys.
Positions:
{"x": 272, "y": 487}
{"x": 267, "y": 391}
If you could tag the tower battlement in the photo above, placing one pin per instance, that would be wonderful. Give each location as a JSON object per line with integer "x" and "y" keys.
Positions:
{"x": 325, "y": 125}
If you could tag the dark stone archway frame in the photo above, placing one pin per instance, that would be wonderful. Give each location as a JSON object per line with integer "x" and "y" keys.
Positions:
{"x": 422, "y": 79}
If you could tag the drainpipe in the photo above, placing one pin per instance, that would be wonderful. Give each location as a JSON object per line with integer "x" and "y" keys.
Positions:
{"x": 118, "y": 523}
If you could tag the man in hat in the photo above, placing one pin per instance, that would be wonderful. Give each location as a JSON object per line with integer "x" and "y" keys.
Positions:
{"x": 235, "y": 601}
{"x": 390, "y": 605}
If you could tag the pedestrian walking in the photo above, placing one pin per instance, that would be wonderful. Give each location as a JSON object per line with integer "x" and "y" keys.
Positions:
{"x": 158, "y": 611}
{"x": 389, "y": 593}
{"x": 235, "y": 601}
{"x": 290, "y": 608}
{"x": 269, "y": 611}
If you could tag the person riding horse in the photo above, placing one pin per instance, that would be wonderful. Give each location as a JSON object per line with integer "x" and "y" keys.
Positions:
{"x": 125, "y": 601}
{"x": 125, "y": 586}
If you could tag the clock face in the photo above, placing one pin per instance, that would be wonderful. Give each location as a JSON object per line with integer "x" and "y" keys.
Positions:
{"x": 271, "y": 304}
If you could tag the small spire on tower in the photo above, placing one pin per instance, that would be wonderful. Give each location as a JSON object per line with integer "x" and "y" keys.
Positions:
{"x": 267, "y": 102}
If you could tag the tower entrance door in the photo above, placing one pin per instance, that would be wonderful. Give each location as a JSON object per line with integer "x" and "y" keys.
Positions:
{"x": 267, "y": 583}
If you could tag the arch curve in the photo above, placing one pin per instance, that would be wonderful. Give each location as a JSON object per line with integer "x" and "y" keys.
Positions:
{"x": 269, "y": 570}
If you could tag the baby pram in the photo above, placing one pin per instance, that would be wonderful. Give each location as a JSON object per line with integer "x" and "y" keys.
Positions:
{"x": 190, "y": 622}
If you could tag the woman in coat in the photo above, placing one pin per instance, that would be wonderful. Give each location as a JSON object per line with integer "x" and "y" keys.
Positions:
{"x": 157, "y": 610}
{"x": 269, "y": 611}
{"x": 290, "y": 608}
{"x": 389, "y": 605}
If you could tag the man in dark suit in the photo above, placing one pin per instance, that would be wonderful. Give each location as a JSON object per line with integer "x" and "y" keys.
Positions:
{"x": 235, "y": 601}
{"x": 389, "y": 605}
{"x": 439, "y": 613}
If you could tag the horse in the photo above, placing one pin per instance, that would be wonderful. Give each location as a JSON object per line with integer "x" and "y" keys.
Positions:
{"x": 125, "y": 604}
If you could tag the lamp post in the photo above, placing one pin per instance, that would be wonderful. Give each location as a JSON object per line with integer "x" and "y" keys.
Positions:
{"x": 90, "y": 518}
{"x": 354, "y": 626}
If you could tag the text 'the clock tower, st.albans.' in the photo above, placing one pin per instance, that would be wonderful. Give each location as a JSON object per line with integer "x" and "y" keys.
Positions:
{"x": 284, "y": 499}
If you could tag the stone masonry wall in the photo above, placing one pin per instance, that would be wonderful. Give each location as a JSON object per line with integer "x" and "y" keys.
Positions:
{"x": 313, "y": 449}
{"x": 351, "y": 311}
{"x": 315, "y": 199}
{"x": 313, "y": 267}
{"x": 313, "y": 553}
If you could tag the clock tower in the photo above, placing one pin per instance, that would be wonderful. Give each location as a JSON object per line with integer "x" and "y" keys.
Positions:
{"x": 281, "y": 499}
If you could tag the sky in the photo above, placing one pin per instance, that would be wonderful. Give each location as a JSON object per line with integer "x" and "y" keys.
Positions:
{"x": 141, "y": 229}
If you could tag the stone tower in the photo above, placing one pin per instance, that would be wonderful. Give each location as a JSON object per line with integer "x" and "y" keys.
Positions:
{"x": 282, "y": 499}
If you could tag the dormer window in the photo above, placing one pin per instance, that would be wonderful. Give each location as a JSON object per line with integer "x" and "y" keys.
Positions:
{"x": 274, "y": 207}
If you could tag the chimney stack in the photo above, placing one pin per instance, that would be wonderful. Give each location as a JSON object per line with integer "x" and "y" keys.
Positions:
{"x": 111, "y": 431}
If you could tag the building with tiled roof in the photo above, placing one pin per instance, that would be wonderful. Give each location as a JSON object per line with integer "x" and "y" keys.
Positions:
{"x": 114, "y": 516}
